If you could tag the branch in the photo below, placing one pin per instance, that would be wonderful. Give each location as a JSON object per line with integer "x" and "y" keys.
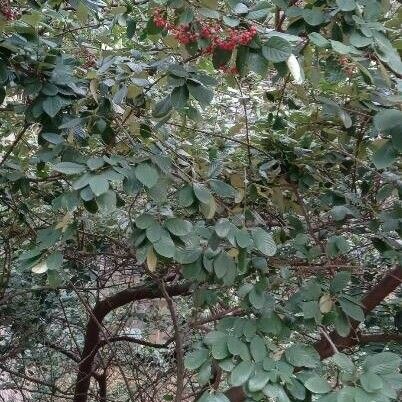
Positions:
{"x": 381, "y": 338}
{"x": 373, "y": 298}
{"x": 99, "y": 312}
{"x": 14, "y": 144}
{"x": 141, "y": 342}
{"x": 178, "y": 342}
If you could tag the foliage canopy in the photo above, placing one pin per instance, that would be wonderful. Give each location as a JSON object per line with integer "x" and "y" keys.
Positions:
{"x": 200, "y": 200}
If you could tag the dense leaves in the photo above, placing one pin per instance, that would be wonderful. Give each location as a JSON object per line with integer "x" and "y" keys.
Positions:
{"x": 200, "y": 196}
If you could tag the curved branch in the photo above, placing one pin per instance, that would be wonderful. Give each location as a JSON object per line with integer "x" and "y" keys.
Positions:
{"x": 99, "y": 312}
{"x": 141, "y": 342}
{"x": 373, "y": 298}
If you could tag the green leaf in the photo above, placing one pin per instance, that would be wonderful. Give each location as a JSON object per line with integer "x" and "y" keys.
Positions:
{"x": 382, "y": 363}
{"x": 99, "y": 185}
{"x": 179, "y": 97}
{"x": 317, "y": 385}
{"x": 202, "y": 193}
{"x": 162, "y": 108}
{"x": 346, "y": 394}
{"x": 258, "y": 63}
{"x": 222, "y": 264}
{"x": 179, "y": 227}
{"x": 107, "y": 201}
{"x": 186, "y": 16}
{"x": 52, "y": 105}
{"x": 296, "y": 389}
{"x": 344, "y": 362}
{"x": 95, "y": 163}
{"x": 154, "y": 232}
{"x": 242, "y": 59}
{"x": 301, "y": 355}
{"x": 144, "y": 221}
{"x": 208, "y": 13}
{"x": 187, "y": 256}
{"x": 204, "y": 373}
{"x": 371, "y": 382}
{"x": 342, "y": 324}
{"x": 218, "y": 397}
{"x": 196, "y": 359}
{"x": 214, "y": 337}
{"x": 53, "y": 138}
{"x": 258, "y": 381}
{"x": 165, "y": 246}
{"x": 241, "y": 373}
{"x": 352, "y": 309}
{"x": 264, "y": 242}
{"x": 223, "y": 189}
{"x": 220, "y": 350}
{"x": 220, "y": 57}
{"x": 276, "y": 392}
{"x": 2, "y": 94}
{"x": 258, "y": 349}
{"x": 385, "y": 155}
{"x": 340, "y": 281}
{"x": 146, "y": 174}
{"x": 313, "y": 16}
{"x": 318, "y": 39}
{"x": 390, "y": 122}
{"x": 69, "y": 167}
{"x": 270, "y": 324}
{"x": 131, "y": 27}
{"x": 222, "y": 227}
{"x": 346, "y": 5}
{"x": 256, "y": 298}
{"x": 237, "y": 348}
{"x": 276, "y": 49}
{"x": 243, "y": 238}
{"x": 186, "y": 196}
{"x": 54, "y": 261}
{"x": 201, "y": 93}
{"x": 231, "y": 22}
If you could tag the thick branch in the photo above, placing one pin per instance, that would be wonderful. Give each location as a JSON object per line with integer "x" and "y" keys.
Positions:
{"x": 380, "y": 338}
{"x": 373, "y": 298}
{"x": 100, "y": 311}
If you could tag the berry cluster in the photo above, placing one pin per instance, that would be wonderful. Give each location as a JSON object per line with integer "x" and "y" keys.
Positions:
{"x": 236, "y": 38}
{"x": 6, "y": 10}
{"x": 160, "y": 21}
{"x": 186, "y": 34}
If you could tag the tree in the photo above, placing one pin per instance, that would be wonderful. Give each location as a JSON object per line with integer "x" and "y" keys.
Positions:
{"x": 200, "y": 201}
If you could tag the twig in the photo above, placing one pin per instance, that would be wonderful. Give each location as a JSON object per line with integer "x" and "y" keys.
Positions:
{"x": 178, "y": 342}
{"x": 14, "y": 144}
{"x": 243, "y": 101}
{"x": 328, "y": 338}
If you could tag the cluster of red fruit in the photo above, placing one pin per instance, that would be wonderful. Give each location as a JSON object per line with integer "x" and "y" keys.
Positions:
{"x": 6, "y": 10}
{"x": 219, "y": 39}
{"x": 235, "y": 38}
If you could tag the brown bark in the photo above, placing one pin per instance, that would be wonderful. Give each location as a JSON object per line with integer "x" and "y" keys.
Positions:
{"x": 380, "y": 338}
{"x": 99, "y": 312}
{"x": 373, "y": 298}
{"x": 102, "y": 387}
